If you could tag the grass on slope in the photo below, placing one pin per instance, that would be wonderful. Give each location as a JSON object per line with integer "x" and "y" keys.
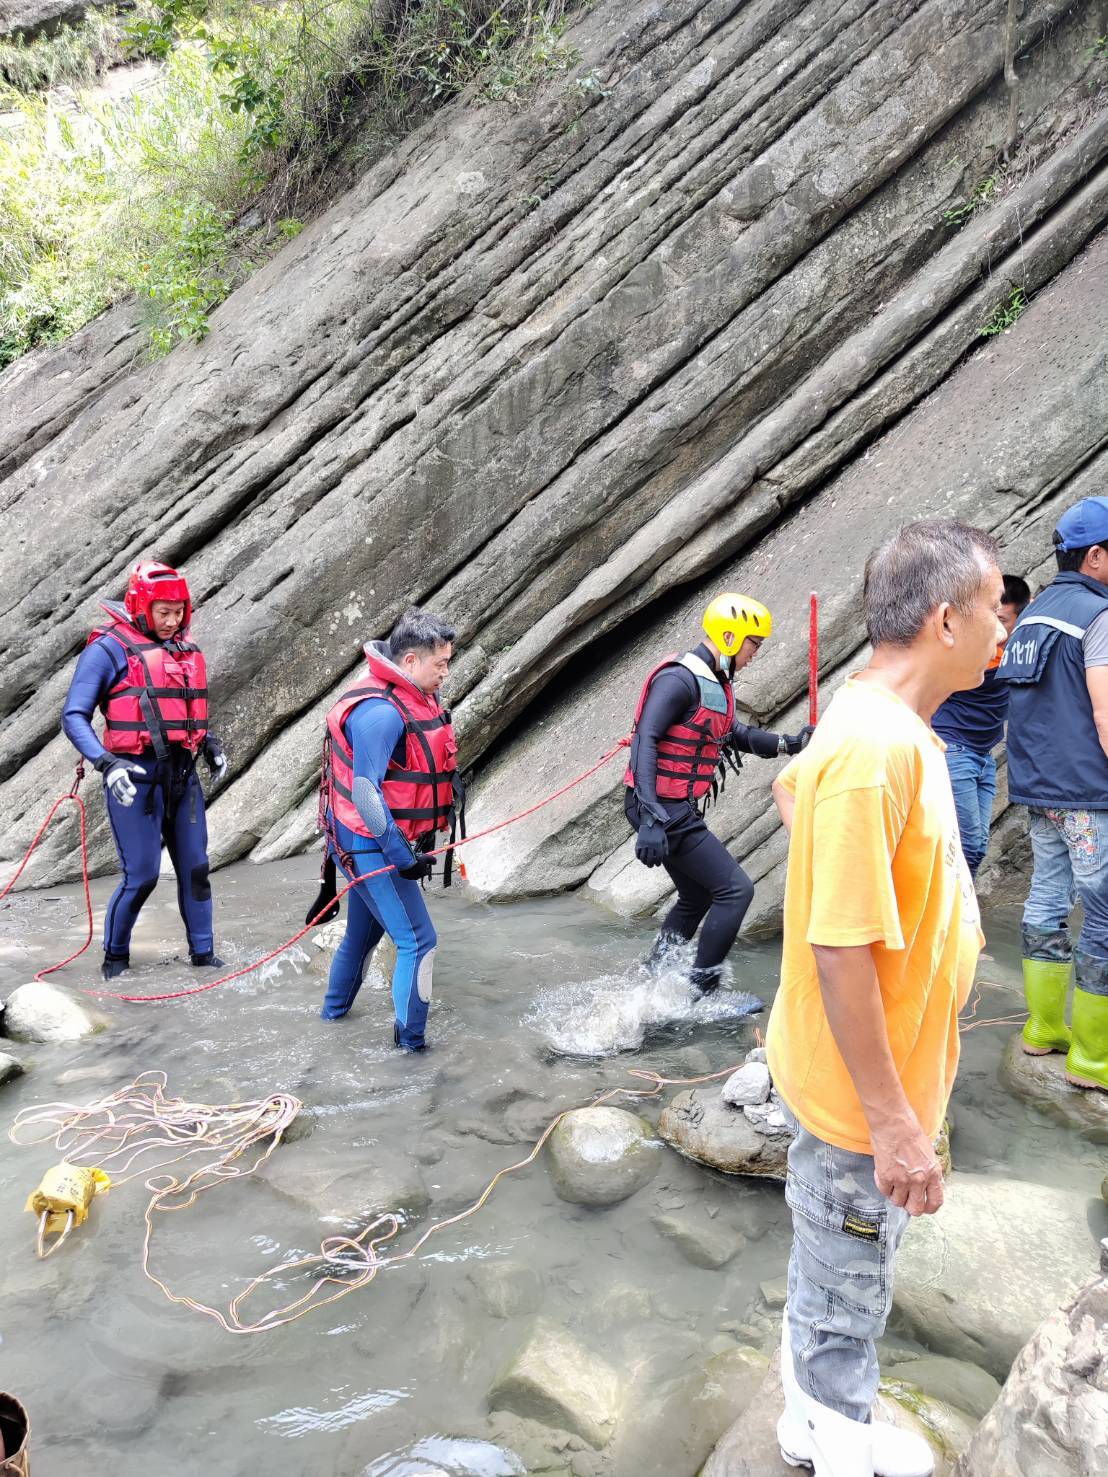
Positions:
{"x": 146, "y": 193}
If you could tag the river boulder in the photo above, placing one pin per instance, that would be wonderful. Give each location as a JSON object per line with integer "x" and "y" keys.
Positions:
{"x": 47, "y": 1013}
{"x": 598, "y": 1156}
{"x": 1052, "y": 1415}
{"x": 974, "y": 1280}
{"x": 1042, "y": 1080}
{"x": 557, "y": 1381}
{"x": 700, "y": 1125}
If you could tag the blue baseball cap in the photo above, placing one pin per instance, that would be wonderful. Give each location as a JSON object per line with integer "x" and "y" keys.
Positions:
{"x": 1083, "y": 525}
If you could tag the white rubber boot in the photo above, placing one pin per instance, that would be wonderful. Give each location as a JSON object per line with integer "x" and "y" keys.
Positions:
{"x": 810, "y": 1435}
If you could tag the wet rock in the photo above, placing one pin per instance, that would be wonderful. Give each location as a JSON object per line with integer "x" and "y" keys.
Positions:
{"x": 974, "y": 1280}
{"x": 46, "y": 1013}
{"x": 119, "y": 1405}
{"x": 447, "y": 1456}
{"x": 328, "y": 936}
{"x": 769, "y": 1117}
{"x": 347, "y": 1189}
{"x": 946, "y": 1429}
{"x": 750, "y": 1084}
{"x": 1052, "y": 1415}
{"x": 1042, "y": 1080}
{"x": 774, "y": 1292}
{"x": 1104, "y": 1189}
{"x": 556, "y": 1380}
{"x": 701, "y": 1126}
{"x": 94, "y": 1076}
{"x": 598, "y": 1156}
{"x": 749, "y": 1448}
{"x": 703, "y": 1242}
{"x": 10, "y": 1068}
{"x": 953, "y": 1381}
{"x": 942, "y": 1147}
{"x": 507, "y": 1289}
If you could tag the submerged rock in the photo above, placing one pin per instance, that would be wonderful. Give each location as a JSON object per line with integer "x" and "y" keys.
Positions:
{"x": 348, "y": 1189}
{"x": 46, "y": 1013}
{"x": 975, "y": 1279}
{"x": 599, "y": 1156}
{"x": 1052, "y": 1415}
{"x": 1042, "y": 1080}
{"x": 506, "y": 1289}
{"x": 556, "y": 1380}
{"x": 703, "y": 1242}
{"x": 447, "y": 1456}
{"x": 700, "y": 1125}
{"x": 10, "y": 1068}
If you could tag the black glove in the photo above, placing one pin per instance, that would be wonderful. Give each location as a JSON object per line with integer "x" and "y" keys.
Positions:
{"x": 652, "y": 843}
{"x": 214, "y": 758}
{"x": 794, "y": 742}
{"x": 421, "y": 868}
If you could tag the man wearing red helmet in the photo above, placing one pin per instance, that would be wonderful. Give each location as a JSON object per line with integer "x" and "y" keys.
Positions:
{"x": 150, "y": 683}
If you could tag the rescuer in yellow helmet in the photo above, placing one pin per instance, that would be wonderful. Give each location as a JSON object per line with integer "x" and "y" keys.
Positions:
{"x": 685, "y": 730}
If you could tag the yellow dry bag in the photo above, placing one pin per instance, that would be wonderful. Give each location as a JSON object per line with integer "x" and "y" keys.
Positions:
{"x": 62, "y": 1201}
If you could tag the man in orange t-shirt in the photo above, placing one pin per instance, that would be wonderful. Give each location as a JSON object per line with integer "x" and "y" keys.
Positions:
{"x": 880, "y": 945}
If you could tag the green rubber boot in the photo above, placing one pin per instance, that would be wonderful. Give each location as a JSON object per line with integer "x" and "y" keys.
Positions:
{"x": 1087, "y": 1058}
{"x": 1045, "y": 983}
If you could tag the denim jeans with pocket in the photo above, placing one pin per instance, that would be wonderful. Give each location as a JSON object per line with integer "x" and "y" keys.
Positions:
{"x": 845, "y": 1237}
{"x": 1070, "y": 848}
{"x": 973, "y": 780}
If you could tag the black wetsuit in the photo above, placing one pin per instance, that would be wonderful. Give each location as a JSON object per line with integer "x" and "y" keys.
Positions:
{"x": 711, "y": 886}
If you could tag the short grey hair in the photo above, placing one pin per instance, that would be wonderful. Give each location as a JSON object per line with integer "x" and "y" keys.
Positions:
{"x": 922, "y": 566}
{"x": 418, "y": 630}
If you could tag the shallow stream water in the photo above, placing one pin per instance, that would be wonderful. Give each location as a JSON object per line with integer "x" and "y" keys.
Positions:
{"x": 538, "y": 1006}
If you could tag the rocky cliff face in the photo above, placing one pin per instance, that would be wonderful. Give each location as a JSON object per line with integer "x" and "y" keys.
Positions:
{"x": 694, "y": 320}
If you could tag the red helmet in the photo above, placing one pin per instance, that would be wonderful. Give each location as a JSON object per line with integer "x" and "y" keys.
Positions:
{"x": 152, "y": 581}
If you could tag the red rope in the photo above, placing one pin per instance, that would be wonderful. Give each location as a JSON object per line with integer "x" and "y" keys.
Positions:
{"x": 257, "y": 964}
{"x": 813, "y": 658}
{"x": 71, "y": 794}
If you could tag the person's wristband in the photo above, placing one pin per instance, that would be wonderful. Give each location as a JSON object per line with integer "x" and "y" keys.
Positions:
{"x": 782, "y": 743}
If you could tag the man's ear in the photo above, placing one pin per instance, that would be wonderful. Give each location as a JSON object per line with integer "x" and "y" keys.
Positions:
{"x": 943, "y": 624}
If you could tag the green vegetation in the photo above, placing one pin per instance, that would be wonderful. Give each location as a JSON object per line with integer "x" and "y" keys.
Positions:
{"x": 1099, "y": 48}
{"x": 248, "y": 118}
{"x": 1005, "y": 313}
{"x": 75, "y": 57}
{"x": 980, "y": 196}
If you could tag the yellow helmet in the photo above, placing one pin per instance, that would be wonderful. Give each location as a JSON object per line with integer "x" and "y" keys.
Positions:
{"x": 730, "y": 619}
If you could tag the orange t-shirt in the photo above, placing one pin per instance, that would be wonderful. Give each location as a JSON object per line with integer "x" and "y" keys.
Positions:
{"x": 874, "y": 858}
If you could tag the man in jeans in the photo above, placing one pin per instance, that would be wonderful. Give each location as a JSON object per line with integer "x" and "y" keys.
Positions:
{"x": 1056, "y": 669}
{"x": 971, "y": 724}
{"x": 880, "y": 945}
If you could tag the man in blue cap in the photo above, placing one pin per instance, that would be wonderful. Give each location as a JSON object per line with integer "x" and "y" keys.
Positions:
{"x": 1056, "y": 666}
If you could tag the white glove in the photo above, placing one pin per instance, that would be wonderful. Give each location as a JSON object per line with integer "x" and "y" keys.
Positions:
{"x": 117, "y": 779}
{"x": 218, "y": 768}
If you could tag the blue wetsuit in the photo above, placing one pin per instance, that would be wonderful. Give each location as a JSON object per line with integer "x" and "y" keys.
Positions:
{"x": 168, "y": 810}
{"x": 387, "y": 904}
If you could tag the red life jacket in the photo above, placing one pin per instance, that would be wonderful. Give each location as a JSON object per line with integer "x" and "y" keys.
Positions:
{"x": 162, "y": 698}
{"x": 419, "y": 791}
{"x": 689, "y": 752}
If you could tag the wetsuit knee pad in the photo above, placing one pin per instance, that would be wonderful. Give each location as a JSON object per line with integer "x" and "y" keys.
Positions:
{"x": 199, "y": 885}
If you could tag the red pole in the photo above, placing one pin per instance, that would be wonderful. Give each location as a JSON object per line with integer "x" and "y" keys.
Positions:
{"x": 813, "y": 657}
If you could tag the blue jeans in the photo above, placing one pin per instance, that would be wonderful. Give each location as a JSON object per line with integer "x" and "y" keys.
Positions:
{"x": 1070, "y": 848}
{"x": 973, "y": 780}
{"x": 393, "y": 905}
{"x": 845, "y": 1237}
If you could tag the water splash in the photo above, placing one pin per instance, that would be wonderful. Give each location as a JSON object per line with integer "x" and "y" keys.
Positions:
{"x": 436, "y": 1455}
{"x": 613, "y": 1013}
